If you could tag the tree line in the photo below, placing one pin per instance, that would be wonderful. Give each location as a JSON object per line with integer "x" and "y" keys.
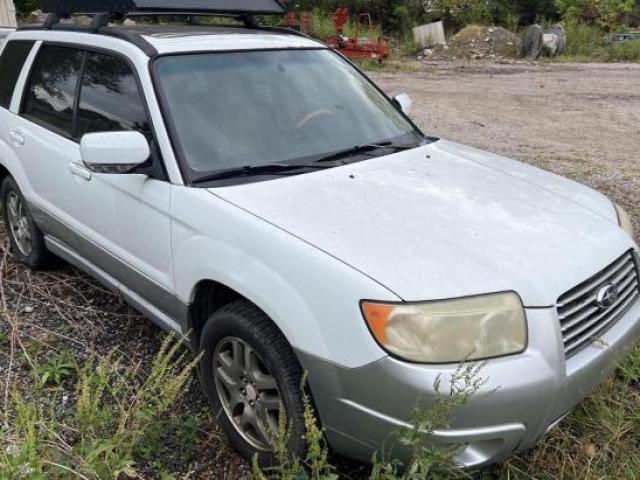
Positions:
{"x": 397, "y": 16}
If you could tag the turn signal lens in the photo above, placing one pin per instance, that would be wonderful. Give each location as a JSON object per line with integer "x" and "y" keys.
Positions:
{"x": 624, "y": 220}
{"x": 450, "y": 331}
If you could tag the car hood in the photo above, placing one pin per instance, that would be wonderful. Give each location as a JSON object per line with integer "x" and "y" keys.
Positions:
{"x": 445, "y": 221}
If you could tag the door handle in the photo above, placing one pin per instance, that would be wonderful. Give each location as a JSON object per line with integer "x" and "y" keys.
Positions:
{"x": 16, "y": 137}
{"x": 80, "y": 171}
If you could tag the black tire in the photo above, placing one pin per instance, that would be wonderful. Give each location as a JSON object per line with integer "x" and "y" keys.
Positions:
{"x": 38, "y": 257}
{"x": 243, "y": 320}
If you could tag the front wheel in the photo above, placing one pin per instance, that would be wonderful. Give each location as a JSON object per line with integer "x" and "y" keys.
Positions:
{"x": 252, "y": 378}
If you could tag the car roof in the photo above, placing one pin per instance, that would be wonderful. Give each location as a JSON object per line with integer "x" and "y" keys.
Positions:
{"x": 187, "y": 38}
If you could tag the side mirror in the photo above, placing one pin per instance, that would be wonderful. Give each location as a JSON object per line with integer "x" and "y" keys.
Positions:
{"x": 404, "y": 103}
{"x": 114, "y": 152}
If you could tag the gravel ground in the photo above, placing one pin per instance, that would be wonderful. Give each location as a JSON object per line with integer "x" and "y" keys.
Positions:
{"x": 582, "y": 121}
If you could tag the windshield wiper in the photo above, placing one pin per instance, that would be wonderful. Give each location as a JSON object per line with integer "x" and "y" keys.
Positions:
{"x": 253, "y": 171}
{"x": 358, "y": 149}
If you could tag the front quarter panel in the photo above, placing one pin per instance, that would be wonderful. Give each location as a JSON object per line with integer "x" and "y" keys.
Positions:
{"x": 311, "y": 296}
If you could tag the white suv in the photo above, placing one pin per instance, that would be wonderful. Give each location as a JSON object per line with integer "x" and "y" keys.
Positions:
{"x": 254, "y": 188}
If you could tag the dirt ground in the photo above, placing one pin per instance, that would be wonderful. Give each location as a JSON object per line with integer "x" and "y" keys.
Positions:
{"x": 578, "y": 120}
{"x": 582, "y": 121}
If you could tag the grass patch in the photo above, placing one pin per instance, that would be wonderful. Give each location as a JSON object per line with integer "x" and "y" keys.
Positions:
{"x": 119, "y": 416}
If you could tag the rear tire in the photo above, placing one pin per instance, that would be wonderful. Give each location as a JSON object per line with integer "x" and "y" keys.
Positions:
{"x": 27, "y": 240}
{"x": 248, "y": 370}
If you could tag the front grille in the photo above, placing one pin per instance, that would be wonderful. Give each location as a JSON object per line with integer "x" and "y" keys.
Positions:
{"x": 581, "y": 318}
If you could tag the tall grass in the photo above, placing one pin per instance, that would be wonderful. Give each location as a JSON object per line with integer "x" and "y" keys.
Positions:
{"x": 586, "y": 43}
{"x": 115, "y": 421}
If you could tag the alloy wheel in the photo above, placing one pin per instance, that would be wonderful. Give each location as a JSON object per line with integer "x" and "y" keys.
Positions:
{"x": 248, "y": 392}
{"x": 19, "y": 223}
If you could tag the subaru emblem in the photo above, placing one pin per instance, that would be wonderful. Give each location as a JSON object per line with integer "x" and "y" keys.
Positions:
{"x": 607, "y": 296}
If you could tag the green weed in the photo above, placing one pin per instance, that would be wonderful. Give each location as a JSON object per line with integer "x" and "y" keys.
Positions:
{"x": 117, "y": 411}
{"x": 316, "y": 464}
{"x": 56, "y": 370}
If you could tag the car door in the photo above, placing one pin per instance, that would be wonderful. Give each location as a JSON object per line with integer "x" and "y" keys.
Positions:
{"x": 118, "y": 222}
{"x": 41, "y": 135}
{"x": 12, "y": 61}
{"x": 128, "y": 213}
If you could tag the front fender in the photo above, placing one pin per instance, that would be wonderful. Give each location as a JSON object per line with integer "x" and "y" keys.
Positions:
{"x": 312, "y": 297}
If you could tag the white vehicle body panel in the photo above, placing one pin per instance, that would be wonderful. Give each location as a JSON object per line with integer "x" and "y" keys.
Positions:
{"x": 459, "y": 223}
{"x": 307, "y": 293}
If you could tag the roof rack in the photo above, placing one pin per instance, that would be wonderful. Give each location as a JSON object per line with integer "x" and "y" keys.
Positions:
{"x": 104, "y": 11}
{"x": 204, "y": 7}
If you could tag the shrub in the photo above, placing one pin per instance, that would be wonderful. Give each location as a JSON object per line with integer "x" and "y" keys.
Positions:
{"x": 620, "y": 52}
{"x": 606, "y": 14}
{"x": 25, "y": 7}
{"x": 586, "y": 43}
{"x": 582, "y": 39}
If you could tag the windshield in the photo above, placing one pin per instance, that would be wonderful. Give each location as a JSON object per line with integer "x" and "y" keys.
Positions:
{"x": 256, "y": 108}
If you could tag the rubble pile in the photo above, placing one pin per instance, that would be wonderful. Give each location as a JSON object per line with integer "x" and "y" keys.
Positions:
{"x": 477, "y": 43}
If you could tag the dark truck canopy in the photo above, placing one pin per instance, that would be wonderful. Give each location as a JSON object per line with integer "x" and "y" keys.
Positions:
{"x": 223, "y": 7}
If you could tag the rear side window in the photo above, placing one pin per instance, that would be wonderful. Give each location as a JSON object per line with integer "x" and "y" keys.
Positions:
{"x": 51, "y": 91}
{"x": 11, "y": 62}
{"x": 109, "y": 97}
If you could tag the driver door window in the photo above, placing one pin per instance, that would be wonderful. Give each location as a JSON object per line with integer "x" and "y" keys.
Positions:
{"x": 109, "y": 97}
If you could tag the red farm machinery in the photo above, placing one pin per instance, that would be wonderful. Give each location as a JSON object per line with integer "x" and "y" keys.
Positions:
{"x": 358, "y": 47}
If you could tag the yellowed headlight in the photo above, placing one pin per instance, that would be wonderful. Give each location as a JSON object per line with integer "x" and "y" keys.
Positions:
{"x": 625, "y": 220}
{"x": 450, "y": 331}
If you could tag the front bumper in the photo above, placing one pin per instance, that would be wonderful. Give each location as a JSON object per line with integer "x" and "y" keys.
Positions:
{"x": 362, "y": 408}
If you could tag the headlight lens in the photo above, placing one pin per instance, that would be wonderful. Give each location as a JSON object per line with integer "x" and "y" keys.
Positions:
{"x": 450, "y": 331}
{"x": 624, "y": 220}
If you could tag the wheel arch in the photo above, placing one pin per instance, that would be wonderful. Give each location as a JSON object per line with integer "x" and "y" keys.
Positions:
{"x": 208, "y": 297}
{"x": 4, "y": 173}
